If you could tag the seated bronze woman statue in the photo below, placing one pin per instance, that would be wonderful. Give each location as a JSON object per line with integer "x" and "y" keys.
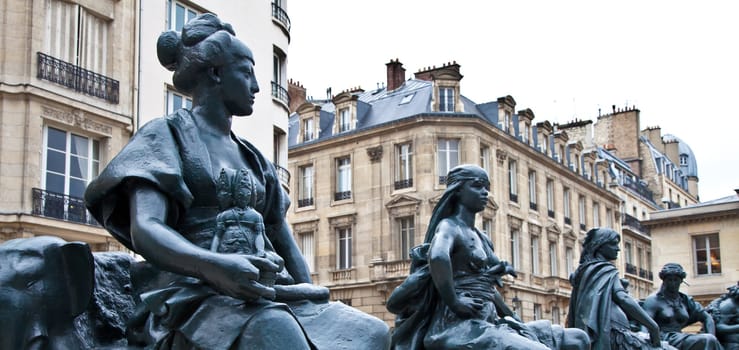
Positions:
{"x": 159, "y": 196}
{"x": 449, "y": 299}
{"x": 599, "y": 303}
{"x": 725, "y": 313}
{"x": 673, "y": 311}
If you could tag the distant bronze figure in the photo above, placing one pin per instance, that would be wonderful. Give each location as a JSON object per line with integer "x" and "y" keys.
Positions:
{"x": 725, "y": 313}
{"x": 599, "y": 303}
{"x": 673, "y": 311}
{"x": 449, "y": 300}
{"x": 215, "y": 286}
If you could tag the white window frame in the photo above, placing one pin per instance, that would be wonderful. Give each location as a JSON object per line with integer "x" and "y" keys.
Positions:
{"x": 708, "y": 249}
{"x": 449, "y": 149}
{"x": 596, "y": 214}
{"x": 188, "y": 12}
{"x": 537, "y": 311}
{"x": 485, "y": 158}
{"x": 307, "y": 178}
{"x": 404, "y": 161}
{"x": 515, "y": 248}
{"x": 344, "y": 174}
{"x": 535, "y": 256}
{"x": 307, "y": 245}
{"x": 406, "y": 230}
{"x": 77, "y": 36}
{"x": 91, "y": 163}
{"x": 553, "y": 256}
{"x": 550, "y": 195}
{"x": 512, "y": 177}
{"x": 532, "y": 187}
{"x": 570, "y": 260}
{"x": 446, "y": 99}
{"x": 581, "y": 209}
{"x": 567, "y": 207}
{"x": 345, "y": 120}
{"x": 344, "y": 248}
{"x": 175, "y": 101}
{"x": 308, "y": 125}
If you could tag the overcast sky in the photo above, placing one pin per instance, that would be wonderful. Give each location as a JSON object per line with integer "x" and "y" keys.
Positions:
{"x": 676, "y": 61}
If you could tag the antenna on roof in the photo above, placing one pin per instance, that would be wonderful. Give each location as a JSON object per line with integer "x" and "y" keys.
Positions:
{"x": 328, "y": 93}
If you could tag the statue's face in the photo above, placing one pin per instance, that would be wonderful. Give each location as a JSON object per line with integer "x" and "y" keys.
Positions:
{"x": 672, "y": 282}
{"x": 609, "y": 250}
{"x": 238, "y": 81}
{"x": 474, "y": 194}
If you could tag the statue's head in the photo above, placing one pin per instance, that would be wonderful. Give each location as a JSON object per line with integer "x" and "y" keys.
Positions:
{"x": 733, "y": 291}
{"x": 600, "y": 243}
{"x": 207, "y": 55}
{"x": 672, "y": 270}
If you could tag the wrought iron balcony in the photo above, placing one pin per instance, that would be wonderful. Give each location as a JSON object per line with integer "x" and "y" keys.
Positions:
{"x": 281, "y": 15}
{"x": 630, "y": 268}
{"x": 77, "y": 78}
{"x": 634, "y": 223}
{"x": 305, "y": 202}
{"x": 568, "y": 221}
{"x": 533, "y": 206}
{"x": 280, "y": 93}
{"x": 283, "y": 174}
{"x": 550, "y": 213}
{"x": 60, "y": 206}
{"x": 442, "y": 179}
{"x": 338, "y": 196}
{"x": 400, "y": 184}
{"x": 513, "y": 197}
{"x": 582, "y": 227}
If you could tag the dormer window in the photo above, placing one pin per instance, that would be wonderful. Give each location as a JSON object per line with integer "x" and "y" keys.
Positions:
{"x": 526, "y": 133}
{"x": 446, "y": 99}
{"x": 345, "y": 120}
{"x": 683, "y": 159}
{"x": 308, "y": 130}
{"x": 507, "y": 122}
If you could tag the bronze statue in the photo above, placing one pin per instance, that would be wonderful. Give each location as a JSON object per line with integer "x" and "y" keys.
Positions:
{"x": 449, "y": 300}
{"x": 599, "y": 303}
{"x": 159, "y": 196}
{"x": 673, "y": 311}
{"x": 725, "y": 313}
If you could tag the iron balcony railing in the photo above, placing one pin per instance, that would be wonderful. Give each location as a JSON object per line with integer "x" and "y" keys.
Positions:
{"x": 442, "y": 179}
{"x": 533, "y": 206}
{"x": 280, "y": 93}
{"x": 550, "y": 213}
{"x": 77, "y": 78}
{"x": 634, "y": 223}
{"x": 305, "y": 202}
{"x": 400, "y": 184}
{"x": 283, "y": 173}
{"x": 631, "y": 268}
{"x": 338, "y": 196}
{"x": 513, "y": 197}
{"x": 61, "y": 206}
{"x": 568, "y": 221}
{"x": 281, "y": 15}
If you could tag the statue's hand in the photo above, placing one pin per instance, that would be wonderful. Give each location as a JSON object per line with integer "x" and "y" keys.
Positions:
{"x": 467, "y": 307}
{"x": 236, "y": 275}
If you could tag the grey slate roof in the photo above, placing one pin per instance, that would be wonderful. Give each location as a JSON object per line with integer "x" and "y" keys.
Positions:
{"x": 691, "y": 169}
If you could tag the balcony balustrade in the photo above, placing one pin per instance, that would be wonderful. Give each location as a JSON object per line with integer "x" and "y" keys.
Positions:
{"x": 77, "y": 78}
{"x": 60, "y": 206}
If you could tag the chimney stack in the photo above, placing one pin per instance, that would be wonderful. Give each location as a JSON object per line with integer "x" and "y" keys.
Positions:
{"x": 296, "y": 93}
{"x": 395, "y": 74}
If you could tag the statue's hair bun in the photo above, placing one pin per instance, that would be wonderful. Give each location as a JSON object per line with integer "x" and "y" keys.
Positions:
{"x": 168, "y": 47}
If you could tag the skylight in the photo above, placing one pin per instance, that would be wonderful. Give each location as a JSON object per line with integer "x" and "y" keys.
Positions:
{"x": 407, "y": 99}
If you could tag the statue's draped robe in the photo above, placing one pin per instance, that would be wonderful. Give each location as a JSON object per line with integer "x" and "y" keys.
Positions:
{"x": 168, "y": 154}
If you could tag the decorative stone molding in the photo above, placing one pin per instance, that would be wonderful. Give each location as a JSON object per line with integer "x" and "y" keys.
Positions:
{"x": 78, "y": 119}
{"x": 403, "y": 205}
{"x": 374, "y": 153}
{"x": 502, "y": 155}
{"x": 342, "y": 220}
{"x": 307, "y": 226}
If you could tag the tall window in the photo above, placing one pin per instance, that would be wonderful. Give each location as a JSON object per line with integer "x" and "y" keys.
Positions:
{"x": 176, "y": 101}
{"x": 343, "y": 178}
{"x": 487, "y": 227}
{"x": 515, "y": 249}
{"x": 707, "y": 254}
{"x": 567, "y": 206}
{"x": 345, "y": 122}
{"x": 581, "y": 211}
{"x": 526, "y": 133}
{"x": 344, "y": 256}
{"x": 448, "y": 157}
{"x": 404, "y": 166}
{"x": 535, "y": 255}
{"x": 446, "y": 99}
{"x": 550, "y": 198}
{"x": 596, "y": 214}
{"x": 485, "y": 158}
{"x": 178, "y": 15}
{"x": 308, "y": 129}
{"x": 532, "y": 190}
{"x": 306, "y": 186}
{"x": 537, "y": 312}
{"x": 506, "y": 122}
{"x": 553, "y": 268}
{"x": 307, "y": 247}
{"x": 71, "y": 162}
{"x": 76, "y": 36}
{"x": 609, "y": 218}
{"x": 569, "y": 260}
{"x": 512, "y": 181}
{"x": 555, "y": 315}
{"x": 406, "y": 231}
{"x": 629, "y": 258}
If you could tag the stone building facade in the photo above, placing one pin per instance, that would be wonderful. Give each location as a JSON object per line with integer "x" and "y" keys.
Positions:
{"x": 67, "y": 98}
{"x": 368, "y": 167}
{"x": 701, "y": 238}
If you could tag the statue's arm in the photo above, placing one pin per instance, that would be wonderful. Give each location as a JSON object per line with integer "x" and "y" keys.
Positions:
{"x": 634, "y": 311}
{"x": 232, "y": 274}
{"x": 708, "y": 324}
{"x": 728, "y": 313}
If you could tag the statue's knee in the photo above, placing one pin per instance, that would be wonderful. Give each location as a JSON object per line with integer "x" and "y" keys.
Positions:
{"x": 273, "y": 328}
{"x": 575, "y": 339}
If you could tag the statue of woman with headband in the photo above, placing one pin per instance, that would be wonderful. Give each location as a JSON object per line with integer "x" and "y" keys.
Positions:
{"x": 673, "y": 310}
{"x": 449, "y": 299}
